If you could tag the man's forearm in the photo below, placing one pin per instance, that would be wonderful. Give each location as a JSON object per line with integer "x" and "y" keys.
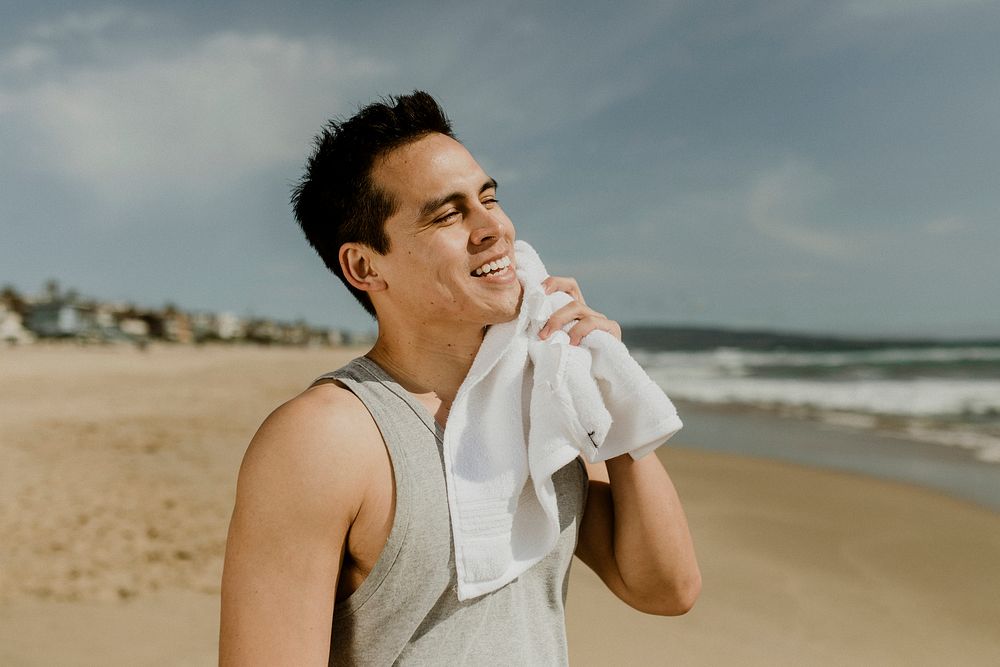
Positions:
{"x": 652, "y": 544}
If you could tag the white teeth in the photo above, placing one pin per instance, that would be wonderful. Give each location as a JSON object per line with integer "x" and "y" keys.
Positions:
{"x": 501, "y": 263}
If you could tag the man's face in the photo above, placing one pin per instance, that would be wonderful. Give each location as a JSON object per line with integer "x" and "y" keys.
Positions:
{"x": 448, "y": 224}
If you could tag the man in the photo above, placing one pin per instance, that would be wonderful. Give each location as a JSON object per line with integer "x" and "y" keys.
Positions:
{"x": 338, "y": 548}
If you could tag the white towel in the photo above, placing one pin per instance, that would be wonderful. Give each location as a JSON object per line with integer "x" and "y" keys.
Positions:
{"x": 527, "y": 408}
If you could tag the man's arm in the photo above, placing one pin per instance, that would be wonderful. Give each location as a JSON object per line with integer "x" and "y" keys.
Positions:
{"x": 635, "y": 536}
{"x": 299, "y": 489}
{"x": 634, "y": 533}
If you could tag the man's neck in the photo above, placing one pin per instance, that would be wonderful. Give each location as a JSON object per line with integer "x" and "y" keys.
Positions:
{"x": 429, "y": 364}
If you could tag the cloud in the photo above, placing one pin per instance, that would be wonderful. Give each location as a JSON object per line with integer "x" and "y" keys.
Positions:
{"x": 945, "y": 226}
{"x": 779, "y": 206}
{"x": 883, "y": 9}
{"x": 184, "y": 122}
{"x": 77, "y": 24}
{"x": 26, "y": 57}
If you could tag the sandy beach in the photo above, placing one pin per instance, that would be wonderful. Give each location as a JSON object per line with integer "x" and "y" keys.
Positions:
{"x": 117, "y": 476}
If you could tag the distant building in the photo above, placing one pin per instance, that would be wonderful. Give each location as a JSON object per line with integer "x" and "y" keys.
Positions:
{"x": 228, "y": 326}
{"x": 58, "y": 313}
{"x": 57, "y": 319}
{"x": 335, "y": 337}
{"x": 12, "y": 328}
{"x": 104, "y": 317}
{"x": 177, "y": 327}
{"x": 262, "y": 330}
{"x": 358, "y": 338}
{"x": 136, "y": 327}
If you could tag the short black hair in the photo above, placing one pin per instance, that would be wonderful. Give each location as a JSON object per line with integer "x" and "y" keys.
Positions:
{"x": 336, "y": 201}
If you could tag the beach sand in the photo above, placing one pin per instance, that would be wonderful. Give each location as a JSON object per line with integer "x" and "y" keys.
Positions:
{"x": 117, "y": 475}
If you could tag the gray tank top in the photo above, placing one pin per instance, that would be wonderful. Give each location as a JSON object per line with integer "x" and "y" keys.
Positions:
{"x": 407, "y": 610}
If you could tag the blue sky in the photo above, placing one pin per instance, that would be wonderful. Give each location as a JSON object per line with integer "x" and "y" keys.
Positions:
{"x": 809, "y": 166}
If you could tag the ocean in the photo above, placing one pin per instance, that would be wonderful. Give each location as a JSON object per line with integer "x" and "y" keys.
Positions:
{"x": 902, "y": 408}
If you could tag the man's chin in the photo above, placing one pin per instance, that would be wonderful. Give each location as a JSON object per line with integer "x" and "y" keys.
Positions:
{"x": 516, "y": 308}
{"x": 506, "y": 312}
{"x": 501, "y": 316}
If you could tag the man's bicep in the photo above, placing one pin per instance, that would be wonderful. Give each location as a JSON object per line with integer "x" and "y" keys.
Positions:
{"x": 595, "y": 546}
{"x": 294, "y": 504}
{"x": 594, "y": 543}
{"x": 278, "y": 591}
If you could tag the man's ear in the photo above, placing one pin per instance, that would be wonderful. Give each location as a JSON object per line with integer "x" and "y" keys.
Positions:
{"x": 356, "y": 263}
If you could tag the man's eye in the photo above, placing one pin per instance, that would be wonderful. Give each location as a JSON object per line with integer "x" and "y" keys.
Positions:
{"x": 490, "y": 201}
{"x": 450, "y": 216}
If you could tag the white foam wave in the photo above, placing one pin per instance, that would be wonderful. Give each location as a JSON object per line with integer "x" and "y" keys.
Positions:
{"x": 735, "y": 361}
{"x": 858, "y": 404}
{"x": 919, "y": 397}
{"x": 984, "y": 447}
{"x": 932, "y": 409}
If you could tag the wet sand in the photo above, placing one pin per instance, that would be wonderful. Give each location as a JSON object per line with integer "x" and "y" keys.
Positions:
{"x": 117, "y": 474}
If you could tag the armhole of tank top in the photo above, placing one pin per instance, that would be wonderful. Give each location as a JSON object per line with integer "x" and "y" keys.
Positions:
{"x": 400, "y": 523}
{"x": 586, "y": 485}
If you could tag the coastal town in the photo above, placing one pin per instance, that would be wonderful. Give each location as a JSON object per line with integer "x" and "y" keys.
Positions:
{"x": 55, "y": 314}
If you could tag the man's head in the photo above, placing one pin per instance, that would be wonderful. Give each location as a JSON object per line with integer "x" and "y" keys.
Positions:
{"x": 337, "y": 201}
{"x": 450, "y": 263}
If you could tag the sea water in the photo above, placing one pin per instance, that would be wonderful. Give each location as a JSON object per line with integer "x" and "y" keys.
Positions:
{"x": 948, "y": 396}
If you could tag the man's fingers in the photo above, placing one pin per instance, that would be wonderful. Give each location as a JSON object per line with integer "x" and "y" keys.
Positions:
{"x": 586, "y": 319}
{"x": 580, "y": 330}
{"x": 562, "y": 284}
{"x": 574, "y": 310}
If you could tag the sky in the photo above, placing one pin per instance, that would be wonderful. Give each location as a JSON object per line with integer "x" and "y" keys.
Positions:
{"x": 825, "y": 167}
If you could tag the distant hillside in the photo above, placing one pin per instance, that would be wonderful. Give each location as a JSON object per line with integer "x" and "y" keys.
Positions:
{"x": 659, "y": 337}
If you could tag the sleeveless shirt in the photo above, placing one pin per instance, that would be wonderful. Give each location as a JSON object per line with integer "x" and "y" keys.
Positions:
{"x": 407, "y": 610}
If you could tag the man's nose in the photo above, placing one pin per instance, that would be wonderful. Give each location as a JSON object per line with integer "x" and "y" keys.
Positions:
{"x": 488, "y": 227}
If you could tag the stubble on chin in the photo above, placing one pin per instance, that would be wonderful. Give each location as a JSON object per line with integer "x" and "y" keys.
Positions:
{"x": 517, "y": 304}
{"x": 502, "y": 313}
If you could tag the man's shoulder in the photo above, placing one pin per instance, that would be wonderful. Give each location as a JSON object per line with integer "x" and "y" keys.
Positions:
{"x": 327, "y": 413}
{"x": 323, "y": 441}
{"x": 326, "y": 405}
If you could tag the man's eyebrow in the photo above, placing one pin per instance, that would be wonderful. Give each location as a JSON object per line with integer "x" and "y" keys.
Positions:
{"x": 434, "y": 204}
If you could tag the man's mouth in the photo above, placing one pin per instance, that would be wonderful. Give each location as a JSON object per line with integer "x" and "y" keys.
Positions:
{"x": 495, "y": 267}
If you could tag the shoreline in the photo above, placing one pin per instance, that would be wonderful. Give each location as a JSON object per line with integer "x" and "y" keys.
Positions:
{"x": 837, "y": 447}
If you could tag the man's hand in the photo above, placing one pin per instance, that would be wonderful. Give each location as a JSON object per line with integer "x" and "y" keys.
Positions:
{"x": 634, "y": 534}
{"x": 587, "y": 319}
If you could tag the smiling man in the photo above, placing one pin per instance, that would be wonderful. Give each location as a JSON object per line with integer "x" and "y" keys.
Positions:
{"x": 340, "y": 547}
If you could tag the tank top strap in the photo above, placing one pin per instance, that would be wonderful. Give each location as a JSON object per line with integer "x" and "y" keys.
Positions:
{"x": 381, "y": 393}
